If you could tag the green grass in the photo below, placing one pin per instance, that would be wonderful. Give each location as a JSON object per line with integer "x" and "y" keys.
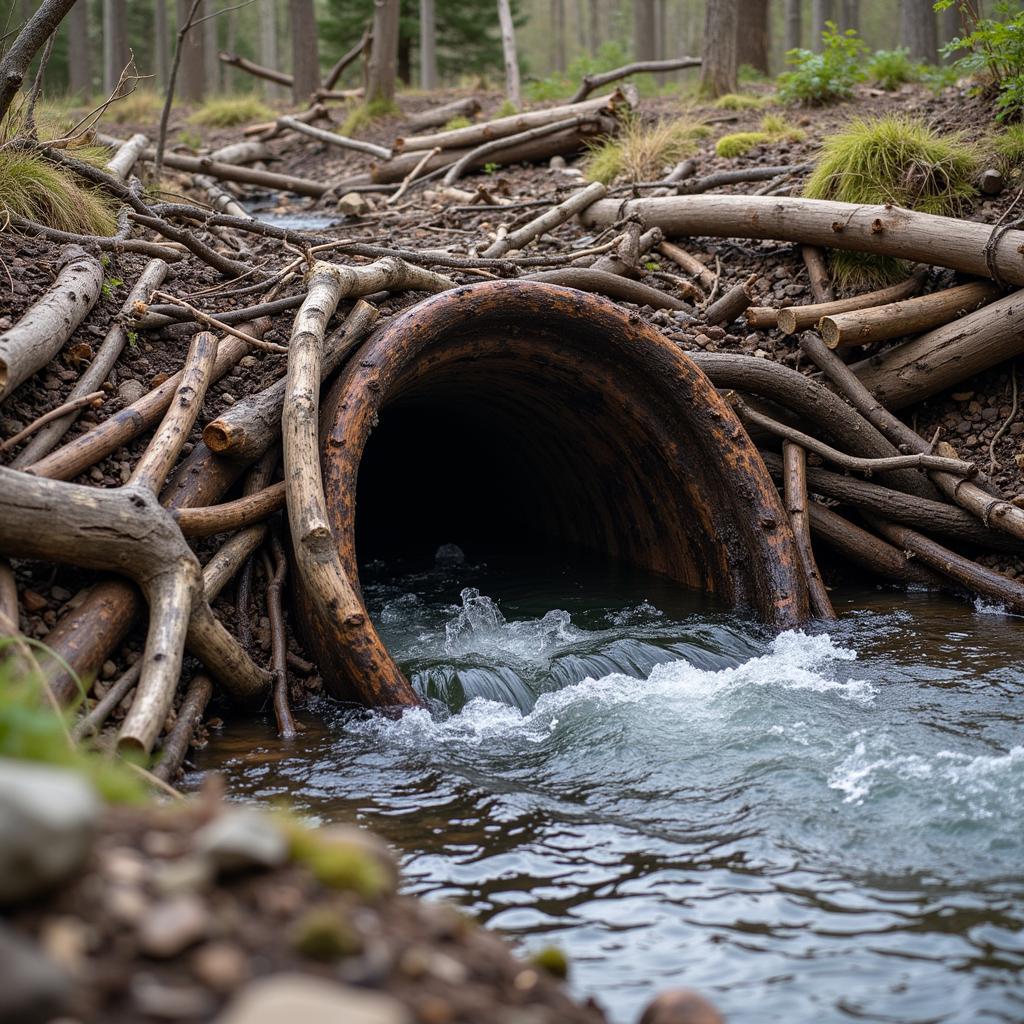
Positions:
{"x": 743, "y": 101}
{"x": 641, "y": 151}
{"x": 774, "y": 128}
{"x": 33, "y": 188}
{"x": 31, "y": 730}
{"x": 892, "y": 159}
{"x": 507, "y": 109}
{"x": 889, "y": 69}
{"x": 360, "y": 117}
{"x": 1008, "y": 147}
{"x": 229, "y": 111}
{"x": 457, "y": 122}
{"x": 140, "y": 107}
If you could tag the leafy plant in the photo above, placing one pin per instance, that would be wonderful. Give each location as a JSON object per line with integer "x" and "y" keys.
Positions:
{"x": 228, "y": 111}
{"x": 889, "y": 69}
{"x": 892, "y": 159}
{"x": 490, "y": 168}
{"x": 507, "y": 109}
{"x": 825, "y": 77}
{"x": 641, "y": 151}
{"x": 993, "y": 51}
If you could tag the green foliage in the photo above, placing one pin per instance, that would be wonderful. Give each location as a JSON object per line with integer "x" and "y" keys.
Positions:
{"x": 108, "y": 286}
{"x": 457, "y": 122}
{"x": 774, "y": 128}
{"x": 229, "y": 111}
{"x": 190, "y": 137}
{"x": 507, "y": 109}
{"x": 825, "y": 77}
{"x": 552, "y": 960}
{"x": 32, "y": 730}
{"x": 33, "y": 188}
{"x": 490, "y": 167}
{"x": 742, "y": 101}
{"x": 994, "y": 53}
{"x": 1008, "y": 148}
{"x": 938, "y": 77}
{"x": 892, "y": 159}
{"x": 361, "y": 116}
{"x": 889, "y": 69}
{"x": 560, "y": 85}
{"x": 641, "y": 151}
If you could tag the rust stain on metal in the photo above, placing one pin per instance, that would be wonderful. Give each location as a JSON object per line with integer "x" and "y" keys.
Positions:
{"x": 633, "y": 452}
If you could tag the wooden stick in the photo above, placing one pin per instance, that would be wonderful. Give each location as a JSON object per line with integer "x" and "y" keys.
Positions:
{"x": 275, "y": 575}
{"x": 411, "y": 177}
{"x": 70, "y": 406}
{"x": 546, "y": 221}
{"x": 219, "y": 325}
{"x": 795, "y": 486}
{"x": 817, "y": 271}
{"x": 252, "y": 68}
{"x": 689, "y": 263}
{"x": 595, "y": 81}
{"x": 613, "y": 285}
{"x": 332, "y": 139}
{"x": 158, "y": 250}
{"x": 190, "y": 717}
{"x": 798, "y": 318}
{"x": 717, "y": 179}
{"x": 47, "y": 324}
{"x": 103, "y": 362}
{"x": 232, "y": 515}
{"x": 885, "y": 230}
{"x": 732, "y": 303}
{"x": 899, "y": 319}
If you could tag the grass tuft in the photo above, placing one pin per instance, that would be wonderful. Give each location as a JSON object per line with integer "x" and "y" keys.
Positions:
{"x": 889, "y": 69}
{"x": 892, "y": 159}
{"x": 507, "y": 109}
{"x": 33, "y": 188}
{"x": 140, "y": 107}
{"x": 229, "y": 111}
{"x": 1008, "y": 146}
{"x": 457, "y": 122}
{"x": 360, "y": 117}
{"x": 641, "y": 151}
{"x": 742, "y": 101}
{"x": 774, "y": 128}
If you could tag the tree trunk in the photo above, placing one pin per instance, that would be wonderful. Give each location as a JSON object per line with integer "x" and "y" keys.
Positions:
{"x": 918, "y": 30}
{"x": 115, "y": 42}
{"x": 752, "y": 46}
{"x": 594, "y": 33}
{"x": 268, "y": 44}
{"x": 15, "y": 62}
{"x": 211, "y": 47}
{"x": 644, "y": 47}
{"x": 794, "y": 26}
{"x": 191, "y": 77}
{"x": 384, "y": 52}
{"x": 718, "y": 53}
{"x": 850, "y": 15}
{"x": 305, "y": 54}
{"x": 508, "y": 45}
{"x": 161, "y": 43}
{"x": 821, "y": 13}
{"x": 428, "y": 45}
{"x": 79, "y": 70}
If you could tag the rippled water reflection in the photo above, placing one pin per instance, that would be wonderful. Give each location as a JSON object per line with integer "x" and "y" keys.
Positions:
{"x": 811, "y": 827}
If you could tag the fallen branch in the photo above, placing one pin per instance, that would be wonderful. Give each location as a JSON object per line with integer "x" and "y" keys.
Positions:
{"x": 585, "y": 279}
{"x": 732, "y": 303}
{"x": 231, "y": 515}
{"x": 121, "y": 163}
{"x": 717, "y": 179}
{"x": 332, "y": 139}
{"x": 275, "y": 576}
{"x": 47, "y": 324}
{"x": 795, "y": 493}
{"x": 817, "y": 273}
{"x": 252, "y": 68}
{"x": 437, "y": 116}
{"x": 73, "y": 405}
{"x": 190, "y": 716}
{"x": 689, "y": 263}
{"x": 220, "y": 325}
{"x": 107, "y": 243}
{"x": 648, "y": 67}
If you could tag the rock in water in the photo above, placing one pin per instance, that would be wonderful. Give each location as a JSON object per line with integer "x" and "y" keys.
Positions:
{"x": 33, "y": 989}
{"x": 48, "y": 820}
{"x": 299, "y": 997}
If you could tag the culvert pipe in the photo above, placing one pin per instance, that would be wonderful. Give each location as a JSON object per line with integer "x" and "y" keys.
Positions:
{"x": 516, "y": 409}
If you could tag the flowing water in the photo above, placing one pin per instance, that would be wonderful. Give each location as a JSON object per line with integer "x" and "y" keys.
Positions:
{"x": 820, "y": 826}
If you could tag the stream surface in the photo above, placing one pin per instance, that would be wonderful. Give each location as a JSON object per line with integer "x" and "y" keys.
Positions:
{"x": 826, "y": 825}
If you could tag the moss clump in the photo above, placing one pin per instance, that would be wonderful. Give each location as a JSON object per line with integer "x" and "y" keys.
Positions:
{"x": 552, "y": 960}
{"x": 893, "y": 159}
{"x": 31, "y": 730}
{"x": 641, "y": 151}
{"x": 457, "y": 122}
{"x": 778, "y": 128}
{"x": 740, "y": 143}
{"x": 362, "y": 116}
{"x": 33, "y": 188}
{"x": 325, "y": 934}
{"x": 339, "y": 865}
{"x": 742, "y": 101}
{"x": 229, "y": 111}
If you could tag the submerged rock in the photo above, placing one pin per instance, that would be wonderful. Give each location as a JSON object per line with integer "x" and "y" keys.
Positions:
{"x": 449, "y": 554}
{"x": 48, "y": 819}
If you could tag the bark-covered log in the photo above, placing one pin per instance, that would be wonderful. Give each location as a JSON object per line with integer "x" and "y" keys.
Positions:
{"x": 884, "y": 230}
{"x": 732, "y": 303}
{"x": 121, "y": 163}
{"x": 48, "y": 323}
{"x": 643, "y": 67}
{"x": 902, "y": 319}
{"x": 794, "y": 477}
{"x": 435, "y": 117}
{"x": 947, "y": 355}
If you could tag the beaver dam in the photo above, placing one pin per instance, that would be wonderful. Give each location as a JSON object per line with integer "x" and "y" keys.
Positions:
{"x": 616, "y": 505}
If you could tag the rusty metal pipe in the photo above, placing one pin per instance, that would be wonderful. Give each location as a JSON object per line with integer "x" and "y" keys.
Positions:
{"x": 590, "y": 429}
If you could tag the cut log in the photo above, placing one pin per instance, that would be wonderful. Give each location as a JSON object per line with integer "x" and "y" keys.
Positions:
{"x": 884, "y": 230}
{"x": 947, "y": 355}
{"x": 647, "y": 67}
{"x": 476, "y": 134}
{"x": 48, "y": 323}
{"x": 798, "y": 318}
{"x": 732, "y": 303}
{"x": 437, "y": 117}
{"x": 901, "y": 319}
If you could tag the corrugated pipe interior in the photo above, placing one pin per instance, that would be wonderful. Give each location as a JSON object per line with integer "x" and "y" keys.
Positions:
{"x": 516, "y": 409}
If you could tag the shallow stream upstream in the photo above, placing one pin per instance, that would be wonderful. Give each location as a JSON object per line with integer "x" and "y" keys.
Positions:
{"x": 826, "y": 825}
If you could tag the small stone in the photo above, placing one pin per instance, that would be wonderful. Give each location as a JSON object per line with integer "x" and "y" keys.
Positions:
{"x": 130, "y": 391}
{"x": 174, "y": 1003}
{"x": 311, "y": 1000}
{"x": 449, "y": 554}
{"x": 557, "y": 163}
{"x": 324, "y": 933}
{"x": 242, "y": 839}
{"x": 221, "y": 966}
{"x": 47, "y": 825}
{"x": 126, "y": 904}
{"x": 173, "y": 925}
{"x": 108, "y": 670}
{"x": 680, "y": 1006}
{"x": 159, "y": 379}
{"x": 353, "y": 204}
{"x": 992, "y": 182}
{"x": 60, "y": 594}
{"x": 962, "y": 396}
{"x": 32, "y": 601}
{"x": 33, "y": 989}
{"x": 248, "y": 362}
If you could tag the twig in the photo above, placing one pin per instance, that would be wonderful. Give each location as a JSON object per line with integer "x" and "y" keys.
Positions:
{"x": 48, "y": 417}
{"x": 278, "y": 642}
{"x": 993, "y": 462}
{"x": 411, "y": 176}
{"x": 219, "y": 325}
